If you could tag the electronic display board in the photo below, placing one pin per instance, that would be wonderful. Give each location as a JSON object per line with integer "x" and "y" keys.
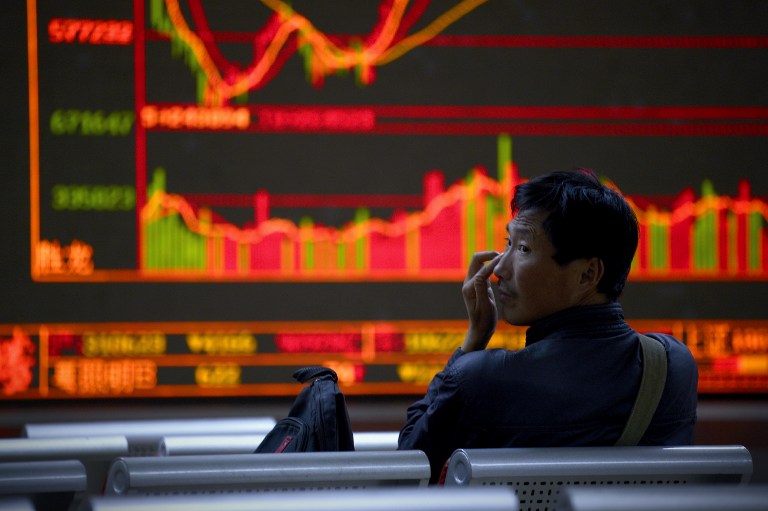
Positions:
{"x": 221, "y": 192}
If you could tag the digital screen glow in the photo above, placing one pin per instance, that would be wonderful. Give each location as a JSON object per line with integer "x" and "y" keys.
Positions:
{"x": 206, "y": 180}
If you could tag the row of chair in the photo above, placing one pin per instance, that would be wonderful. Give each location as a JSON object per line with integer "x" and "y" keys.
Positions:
{"x": 478, "y": 466}
{"x": 536, "y": 474}
{"x": 676, "y": 498}
{"x": 238, "y": 435}
{"x": 537, "y": 477}
{"x": 102, "y": 470}
{"x": 145, "y": 436}
{"x": 93, "y": 454}
{"x": 377, "y": 499}
{"x": 185, "y": 445}
{"x": 669, "y": 498}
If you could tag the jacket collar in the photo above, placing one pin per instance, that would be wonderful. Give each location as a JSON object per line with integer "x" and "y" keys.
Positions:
{"x": 592, "y": 321}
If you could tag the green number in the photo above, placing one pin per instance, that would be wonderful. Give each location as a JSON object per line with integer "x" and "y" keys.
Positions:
{"x": 93, "y": 197}
{"x": 88, "y": 122}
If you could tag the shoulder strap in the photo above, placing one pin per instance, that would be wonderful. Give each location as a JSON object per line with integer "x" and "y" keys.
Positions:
{"x": 651, "y": 386}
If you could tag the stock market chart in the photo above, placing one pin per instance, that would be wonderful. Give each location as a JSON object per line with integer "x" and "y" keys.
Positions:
{"x": 220, "y": 192}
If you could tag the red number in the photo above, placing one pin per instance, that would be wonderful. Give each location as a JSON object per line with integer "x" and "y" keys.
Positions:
{"x": 88, "y": 31}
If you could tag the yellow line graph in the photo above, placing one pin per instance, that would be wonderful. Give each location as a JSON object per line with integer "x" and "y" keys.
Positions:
{"x": 328, "y": 57}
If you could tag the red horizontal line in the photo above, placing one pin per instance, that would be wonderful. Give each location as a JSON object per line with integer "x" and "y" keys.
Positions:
{"x": 542, "y": 129}
{"x": 537, "y": 41}
{"x": 630, "y": 121}
{"x": 358, "y": 200}
{"x": 534, "y": 112}
{"x": 337, "y": 326}
{"x": 128, "y": 275}
{"x": 527, "y": 129}
{"x": 310, "y": 200}
{"x": 346, "y": 201}
{"x": 281, "y": 358}
{"x": 574, "y": 129}
{"x": 598, "y": 41}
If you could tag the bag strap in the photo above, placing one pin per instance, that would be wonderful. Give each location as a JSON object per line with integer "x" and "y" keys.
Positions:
{"x": 648, "y": 397}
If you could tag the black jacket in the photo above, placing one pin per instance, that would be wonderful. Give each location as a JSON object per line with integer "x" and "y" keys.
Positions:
{"x": 573, "y": 384}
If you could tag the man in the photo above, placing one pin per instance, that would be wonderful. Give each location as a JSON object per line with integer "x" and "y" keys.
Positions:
{"x": 569, "y": 250}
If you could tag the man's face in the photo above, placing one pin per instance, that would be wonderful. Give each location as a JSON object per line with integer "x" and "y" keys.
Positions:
{"x": 531, "y": 284}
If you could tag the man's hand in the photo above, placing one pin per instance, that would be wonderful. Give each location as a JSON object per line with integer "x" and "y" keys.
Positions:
{"x": 479, "y": 300}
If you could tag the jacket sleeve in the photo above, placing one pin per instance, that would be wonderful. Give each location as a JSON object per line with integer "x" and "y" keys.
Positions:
{"x": 431, "y": 422}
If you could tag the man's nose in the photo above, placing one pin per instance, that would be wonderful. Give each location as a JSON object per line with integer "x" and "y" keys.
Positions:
{"x": 503, "y": 270}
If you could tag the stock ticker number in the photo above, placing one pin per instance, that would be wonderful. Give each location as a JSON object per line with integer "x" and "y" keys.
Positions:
{"x": 93, "y": 197}
{"x": 90, "y": 31}
{"x": 92, "y": 122}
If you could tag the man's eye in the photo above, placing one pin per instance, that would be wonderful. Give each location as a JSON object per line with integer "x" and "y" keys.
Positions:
{"x": 523, "y": 248}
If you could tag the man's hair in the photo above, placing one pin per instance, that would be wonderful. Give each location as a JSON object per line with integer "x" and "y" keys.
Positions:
{"x": 585, "y": 219}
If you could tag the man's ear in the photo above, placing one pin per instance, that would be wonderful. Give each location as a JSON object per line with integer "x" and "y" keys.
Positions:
{"x": 592, "y": 272}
